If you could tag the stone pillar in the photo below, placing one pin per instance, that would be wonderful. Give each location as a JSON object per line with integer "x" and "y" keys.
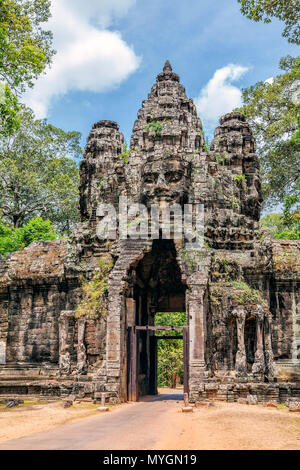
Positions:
{"x": 240, "y": 358}
{"x": 64, "y": 354}
{"x": 259, "y": 359}
{"x": 3, "y": 330}
{"x": 130, "y": 311}
{"x": 269, "y": 357}
{"x": 114, "y": 341}
{"x": 116, "y": 338}
{"x": 2, "y": 351}
{"x": 197, "y": 325}
{"x": 196, "y": 312}
{"x": 81, "y": 349}
{"x": 296, "y": 327}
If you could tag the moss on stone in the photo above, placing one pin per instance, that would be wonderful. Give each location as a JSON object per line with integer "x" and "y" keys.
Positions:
{"x": 287, "y": 261}
{"x": 95, "y": 291}
{"x": 238, "y": 292}
{"x": 188, "y": 259}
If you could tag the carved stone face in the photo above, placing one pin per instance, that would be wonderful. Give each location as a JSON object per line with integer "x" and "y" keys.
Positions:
{"x": 260, "y": 312}
{"x": 239, "y": 312}
{"x": 165, "y": 182}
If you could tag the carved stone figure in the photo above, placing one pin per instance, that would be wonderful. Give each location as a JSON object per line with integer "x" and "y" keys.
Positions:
{"x": 81, "y": 349}
{"x": 165, "y": 181}
{"x": 259, "y": 362}
{"x": 238, "y": 287}
{"x": 240, "y": 358}
{"x": 64, "y": 354}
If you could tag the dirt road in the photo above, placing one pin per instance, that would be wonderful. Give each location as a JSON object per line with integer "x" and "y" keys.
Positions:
{"x": 158, "y": 423}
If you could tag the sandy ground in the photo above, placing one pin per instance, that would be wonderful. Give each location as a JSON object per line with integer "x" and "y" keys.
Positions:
{"x": 158, "y": 423}
{"x": 232, "y": 426}
{"x": 34, "y": 417}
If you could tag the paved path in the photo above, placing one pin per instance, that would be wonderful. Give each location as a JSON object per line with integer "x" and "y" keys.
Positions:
{"x": 158, "y": 423}
{"x": 131, "y": 426}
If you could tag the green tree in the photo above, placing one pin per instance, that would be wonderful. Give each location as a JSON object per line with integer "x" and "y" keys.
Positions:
{"x": 291, "y": 216}
{"x": 13, "y": 239}
{"x": 10, "y": 239}
{"x": 287, "y": 224}
{"x": 25, "y": 51}
{"x": 169, "y": 351}
{"x": 287, "y": 11}
{"x": 273, "y": 222}
{"x": 9, "y": 120}
{"x": 37, "y": 175}
{"x": 272, "y": 109}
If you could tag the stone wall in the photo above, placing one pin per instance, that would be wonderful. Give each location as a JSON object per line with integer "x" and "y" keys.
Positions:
{"x": 241, "y": 289}
{"x": 37, "y": 285}
{"x": 285, "y": 307}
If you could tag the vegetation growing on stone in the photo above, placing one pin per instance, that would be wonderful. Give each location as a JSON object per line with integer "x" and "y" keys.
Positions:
{"x": 239, "y": 292}
{"x": 95, "y": 291}
{"x": 155, "y": 126}
{"x": 233, "y": 202}
{"x": 206, "y": 145}
{"x": 125, "y": 154}
{"x": 241, "y": 180}
{"x": 220, "y": 159}
{"x": 188, "y": 259}
{"x": 287, "y": 260}
{"x": 226, "y": 269}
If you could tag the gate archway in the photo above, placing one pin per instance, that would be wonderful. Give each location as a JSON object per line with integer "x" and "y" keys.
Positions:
{"x": 155, "y": 286}
{"x": 134, "y": 360}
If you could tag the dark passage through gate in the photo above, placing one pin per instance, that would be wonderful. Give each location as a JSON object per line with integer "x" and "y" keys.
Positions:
{"x": 134, "y": 357}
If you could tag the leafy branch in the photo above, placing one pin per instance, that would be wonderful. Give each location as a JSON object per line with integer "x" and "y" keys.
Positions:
{"x": 125, "y": 154}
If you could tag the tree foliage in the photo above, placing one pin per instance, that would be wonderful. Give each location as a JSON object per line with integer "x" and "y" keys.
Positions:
{"x": 25, "y": 51}
{"x": 170, "y": 351}
{"x": 272, "y": 109}
{"x": 25, "y": 48}
{"x": 287, "y": 224}
{"x": 9, "y": 120}
{"x": 38, "y": 177}
{"x": 13, "y": 239}
{"x": 273, "y": 222}
{"x": 287, "y": 11}
{"x": 282, "y": 228}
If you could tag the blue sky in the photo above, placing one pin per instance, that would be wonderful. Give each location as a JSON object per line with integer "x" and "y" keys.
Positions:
{"x": 110, "y": 51}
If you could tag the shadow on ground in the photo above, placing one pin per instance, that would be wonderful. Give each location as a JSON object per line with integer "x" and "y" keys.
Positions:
{"x": 174, "y": 395}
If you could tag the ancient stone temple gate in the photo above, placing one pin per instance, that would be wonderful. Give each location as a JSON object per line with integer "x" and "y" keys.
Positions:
{"x": 77, "y": 317}
{"x": 134, "y": 367}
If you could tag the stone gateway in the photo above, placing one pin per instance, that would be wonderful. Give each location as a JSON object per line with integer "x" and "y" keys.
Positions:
{"x": 77, "y": 316}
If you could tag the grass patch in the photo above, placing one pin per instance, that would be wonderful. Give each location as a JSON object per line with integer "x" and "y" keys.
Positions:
{"x": 282, "y": 406}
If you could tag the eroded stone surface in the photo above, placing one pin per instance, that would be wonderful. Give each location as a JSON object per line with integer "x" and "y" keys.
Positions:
{"x": 240, "y": 290}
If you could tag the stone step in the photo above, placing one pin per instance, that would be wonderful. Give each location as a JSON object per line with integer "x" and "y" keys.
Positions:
{"x": 27, "y": 378}
{"x": 28, "y": 365}
{"x": 22, "y": 371}
{"x": 35, "y": 398}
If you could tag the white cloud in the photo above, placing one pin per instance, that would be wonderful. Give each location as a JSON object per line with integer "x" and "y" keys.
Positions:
{"x": 102, "y": 12}
{"x": 270, "y": 80}
{"x": 219, "y": 96}
{"x": 89, "y": 57}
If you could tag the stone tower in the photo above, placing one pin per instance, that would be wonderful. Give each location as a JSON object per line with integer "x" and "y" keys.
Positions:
{"x": 82, "y": 311}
